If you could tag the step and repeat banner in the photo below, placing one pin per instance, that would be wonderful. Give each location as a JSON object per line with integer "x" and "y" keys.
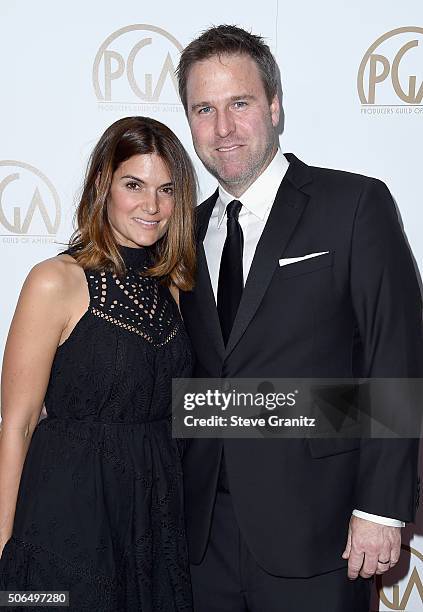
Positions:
{"x": 352, "y": 78}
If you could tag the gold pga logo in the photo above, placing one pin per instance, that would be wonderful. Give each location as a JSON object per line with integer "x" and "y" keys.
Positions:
{"x": 398, "y": 54}
{"x": 410, "y": 587}
{"x": 29, "y": 203}
{"x": 137, "y": 64}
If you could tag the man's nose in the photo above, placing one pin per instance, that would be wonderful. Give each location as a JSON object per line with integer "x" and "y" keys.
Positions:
{"x": 224, "y": 123}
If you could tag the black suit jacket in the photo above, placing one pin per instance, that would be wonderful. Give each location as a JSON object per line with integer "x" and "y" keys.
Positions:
{"x": 353, "y": 312}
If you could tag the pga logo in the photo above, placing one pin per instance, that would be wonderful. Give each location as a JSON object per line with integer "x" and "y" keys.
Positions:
{"x": 29, "y": 202}
{"x": 137, "y": 64}
{"x": 391, "y": 71}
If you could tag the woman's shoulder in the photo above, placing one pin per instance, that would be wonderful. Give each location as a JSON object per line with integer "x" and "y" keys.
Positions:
{"x": 57, "y": 276}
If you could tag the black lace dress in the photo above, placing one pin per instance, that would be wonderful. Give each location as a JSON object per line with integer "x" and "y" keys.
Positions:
{"x": 99, "y": 509}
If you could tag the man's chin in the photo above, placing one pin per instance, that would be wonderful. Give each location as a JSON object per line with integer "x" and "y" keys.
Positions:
{"x": 228, "y": 176}
{"x": 231, "y": 177}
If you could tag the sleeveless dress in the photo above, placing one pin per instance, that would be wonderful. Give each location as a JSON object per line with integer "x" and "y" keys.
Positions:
{"x": 99, "y": 510}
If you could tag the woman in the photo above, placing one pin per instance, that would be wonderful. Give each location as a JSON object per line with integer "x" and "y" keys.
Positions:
{"x": 95, "y": 508}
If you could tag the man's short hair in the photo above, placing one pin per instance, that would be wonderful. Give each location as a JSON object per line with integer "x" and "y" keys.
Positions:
{"x": 228, "y": 40}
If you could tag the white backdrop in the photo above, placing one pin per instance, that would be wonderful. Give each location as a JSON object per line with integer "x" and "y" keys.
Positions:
{"x": 69, "y": 70}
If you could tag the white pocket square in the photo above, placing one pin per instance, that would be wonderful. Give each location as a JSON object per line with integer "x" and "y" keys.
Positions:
{"x": 290, "y": 260}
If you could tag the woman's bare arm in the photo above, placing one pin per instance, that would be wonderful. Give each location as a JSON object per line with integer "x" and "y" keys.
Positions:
{"x": 41, "y": 316}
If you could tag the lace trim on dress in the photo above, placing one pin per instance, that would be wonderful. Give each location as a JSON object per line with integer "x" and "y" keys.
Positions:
{"x": 134, "y": 303}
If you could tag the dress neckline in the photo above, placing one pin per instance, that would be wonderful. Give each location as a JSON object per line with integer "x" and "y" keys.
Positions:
{"x": 135, "y": 257}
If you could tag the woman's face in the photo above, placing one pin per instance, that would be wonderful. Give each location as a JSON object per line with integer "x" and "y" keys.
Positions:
{"x": 140, "y": 201}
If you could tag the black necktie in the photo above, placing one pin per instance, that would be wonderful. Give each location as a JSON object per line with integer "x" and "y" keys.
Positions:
{"x": 230, "y": 285}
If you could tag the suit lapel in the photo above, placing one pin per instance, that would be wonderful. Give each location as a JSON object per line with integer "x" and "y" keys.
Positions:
{"x": 203, "y": 291}
{"x": 286, "y": 211}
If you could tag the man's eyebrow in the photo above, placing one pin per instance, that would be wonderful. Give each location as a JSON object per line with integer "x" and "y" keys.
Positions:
{"x": 242, "y": 97}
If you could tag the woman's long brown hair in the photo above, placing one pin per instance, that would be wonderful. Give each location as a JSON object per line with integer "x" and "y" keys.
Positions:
{"x": 93, "y": 243}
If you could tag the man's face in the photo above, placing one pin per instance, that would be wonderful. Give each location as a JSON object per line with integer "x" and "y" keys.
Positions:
{"x": 233, "y": 125}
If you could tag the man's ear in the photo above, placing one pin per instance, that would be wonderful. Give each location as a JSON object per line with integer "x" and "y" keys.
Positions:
{"x": 275, "y": 110}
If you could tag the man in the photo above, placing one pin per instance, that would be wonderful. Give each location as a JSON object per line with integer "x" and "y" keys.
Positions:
{"x": 272, "y": 523}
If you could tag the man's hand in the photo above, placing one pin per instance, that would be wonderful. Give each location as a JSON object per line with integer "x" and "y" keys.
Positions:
{"x": 371, "y": 548}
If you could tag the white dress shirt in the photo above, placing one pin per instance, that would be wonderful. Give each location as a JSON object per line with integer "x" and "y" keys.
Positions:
{"x": 257, "y": 203}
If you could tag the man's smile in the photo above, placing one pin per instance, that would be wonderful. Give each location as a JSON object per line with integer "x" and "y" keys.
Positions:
{"x": 228, "y": 148}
